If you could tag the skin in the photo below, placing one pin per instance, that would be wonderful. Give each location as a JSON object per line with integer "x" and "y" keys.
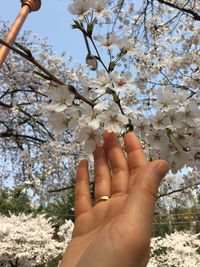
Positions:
{"x": 116, "y": 232}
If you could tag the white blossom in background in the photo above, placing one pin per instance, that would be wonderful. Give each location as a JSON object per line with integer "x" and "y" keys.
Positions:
{"x": 122, "y": 80}
{"x": 65, "y": 232}
{"x": 177, "y": 249}
{"x": 109, "y": 41}
{"x": 29, "y": 240}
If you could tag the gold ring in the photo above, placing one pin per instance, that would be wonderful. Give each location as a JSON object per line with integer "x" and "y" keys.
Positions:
{"x": 103, "y": 198}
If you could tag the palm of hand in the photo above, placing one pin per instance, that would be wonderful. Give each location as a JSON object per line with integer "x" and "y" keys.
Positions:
{"x": 116, "y": 231}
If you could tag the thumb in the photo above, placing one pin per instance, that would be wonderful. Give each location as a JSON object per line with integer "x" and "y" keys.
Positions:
{"x": 139, "y": 206}
{"x": 140, "y": 203}
{"x": 155, "y": 172}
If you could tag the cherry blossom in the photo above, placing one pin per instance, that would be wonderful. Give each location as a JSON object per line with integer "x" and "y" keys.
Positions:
{"x": 61, "y": 98}
{"x": 109, "y": 41}
{"x": 28, "y": 241}
{"x": 101, "y": 82}
{"x": 122, "y": 80}
{"x": 176, "y": 249}
{"x": 113, "y": 122}
{"x": 80, "y": 7}
{"x": 90, "y": 137}
{"x": 90, "y": 115}
{"x": 61, "y": 121}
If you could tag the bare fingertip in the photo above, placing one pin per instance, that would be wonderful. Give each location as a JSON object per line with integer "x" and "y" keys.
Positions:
{"x": 83, "y": 163}
{"x": 106, "y": 134}
{"x": 99, "y": 149}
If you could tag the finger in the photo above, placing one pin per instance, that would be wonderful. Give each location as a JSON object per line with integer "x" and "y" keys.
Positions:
{"x": 140, "y": 204}
{"x": 118, "y": 163}
{"x": 102, "y": 175}
{"x": 82, "y": 192}
{"x": 135, "y": 154}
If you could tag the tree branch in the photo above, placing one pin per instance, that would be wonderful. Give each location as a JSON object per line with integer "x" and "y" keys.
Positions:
{"x": 65, "y": 188}
{"x": 178, "y": 190}
{"x": 32, "y": 60}
{"x": 183, "y": 9}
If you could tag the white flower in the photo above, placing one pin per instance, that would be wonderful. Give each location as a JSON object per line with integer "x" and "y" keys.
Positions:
{"x": 110, "y": 41}
{"x": 126, "y": 45}
{"x": 160, "y": 121}
{"x": 61, "y": 98}
{"x": 158, "y": 139}
{"x": 113, "y": 120}
{"x": 141, "y": 126}
{"x": 99, "y": 7}
{"x": 90, "y": 115}
{"x": 166, "y": 99}
{"x": 181, "y": 97}
{"x": 62, "y": 122}
{"x": 101, "y": 82}
{"x": 191, "y": 112}
{"x": 90, "y": 137}
{"x": 83, "y": 7}
{"x": 175, "y": 117}
{"x": 178, "y": 159}
{"x": 80, "y": 7}
{"x": 122, "y": 80}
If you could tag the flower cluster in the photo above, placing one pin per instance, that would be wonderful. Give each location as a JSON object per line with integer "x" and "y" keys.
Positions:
{"x": 176, "y": 249}
{"x": 28, "y": 241}
{"x": 172, "y": 130}
{"x": 87, "y": 121}
{"x": 84, "y": 7}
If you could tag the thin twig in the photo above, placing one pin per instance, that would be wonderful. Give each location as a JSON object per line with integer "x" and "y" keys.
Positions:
{"x": 178, "y": 190}
{"x": 183, "y": 9}
{"x": 49, "y": 74}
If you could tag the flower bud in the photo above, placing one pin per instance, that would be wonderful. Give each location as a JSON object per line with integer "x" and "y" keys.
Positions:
{"x": 112, "y": 65}
{"x": 91, "y": 62}
{"x": 90, "y": 28}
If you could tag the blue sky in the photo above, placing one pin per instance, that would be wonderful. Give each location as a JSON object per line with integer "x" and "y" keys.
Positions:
{"x": 52, "y": 21}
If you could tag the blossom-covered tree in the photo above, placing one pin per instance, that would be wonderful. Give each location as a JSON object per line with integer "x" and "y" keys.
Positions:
{"x": 141, "y": 72}
{"x": 28, "y": 241}
{"x": 177, "y": 249}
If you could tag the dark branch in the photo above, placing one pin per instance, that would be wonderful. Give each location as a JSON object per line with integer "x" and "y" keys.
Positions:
{"x": 178, "y": 190}
{"x": 49, "y": 74}
{"x": 65, "y": 188}
{"x": 183, "y": 9}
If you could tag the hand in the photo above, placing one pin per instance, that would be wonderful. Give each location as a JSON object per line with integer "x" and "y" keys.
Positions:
{"x": 116, "y": 232}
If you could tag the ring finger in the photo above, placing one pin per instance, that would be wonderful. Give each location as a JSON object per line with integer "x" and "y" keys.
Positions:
{"x": 102, "y": 176}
